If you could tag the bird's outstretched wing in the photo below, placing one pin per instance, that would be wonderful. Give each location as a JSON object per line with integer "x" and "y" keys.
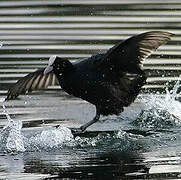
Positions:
{"x": 127, "y": 56}
{"x": 33, "y": 81}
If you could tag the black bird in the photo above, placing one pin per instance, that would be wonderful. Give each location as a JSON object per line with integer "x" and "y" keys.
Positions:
{"x": 110, "y": 81}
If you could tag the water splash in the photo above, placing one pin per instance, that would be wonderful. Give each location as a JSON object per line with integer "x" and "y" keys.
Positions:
{"x": 161, "y": 111}
{"x": 10, "y": 136}
{"x": 2, "y": 100}
{"x": 172, "y": 104}
{"x": 1, "y": 44}
{"x": 50, "y": 139}
{"x": 12, "y": 139}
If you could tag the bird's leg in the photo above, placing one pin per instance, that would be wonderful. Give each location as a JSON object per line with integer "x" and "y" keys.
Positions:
{"x": 95, "y": 119}
{"x": 85, "y": 126}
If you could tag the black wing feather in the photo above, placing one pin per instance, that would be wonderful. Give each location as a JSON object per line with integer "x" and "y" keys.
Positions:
{"x": 33, "y": 81}
{"x": 127, "y": 56}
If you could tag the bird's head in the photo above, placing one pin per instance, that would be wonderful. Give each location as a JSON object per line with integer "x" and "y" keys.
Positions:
{"x": 58, "y": 65}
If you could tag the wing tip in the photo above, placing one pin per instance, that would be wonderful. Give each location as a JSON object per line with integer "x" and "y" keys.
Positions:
{"x": 32, "y": 81}
{"x": 11, "y": 95}
{"x": 165, "y": 34}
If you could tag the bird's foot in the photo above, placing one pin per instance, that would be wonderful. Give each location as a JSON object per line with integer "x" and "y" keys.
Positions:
{"x": 77, "y": 131}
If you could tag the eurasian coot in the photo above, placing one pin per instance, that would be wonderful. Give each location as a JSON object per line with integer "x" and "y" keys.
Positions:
{"x": 110, "y": 81}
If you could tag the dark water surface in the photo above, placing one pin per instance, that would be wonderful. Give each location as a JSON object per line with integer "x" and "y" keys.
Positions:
{"x": 144, "y": 142}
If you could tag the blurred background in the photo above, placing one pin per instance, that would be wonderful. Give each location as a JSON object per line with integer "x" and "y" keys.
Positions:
{"x": 31, "y": 31}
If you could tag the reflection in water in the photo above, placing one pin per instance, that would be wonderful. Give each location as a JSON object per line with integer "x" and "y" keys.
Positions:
{"x": 104, "y": 164}
{"x": 80, "y": 164}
